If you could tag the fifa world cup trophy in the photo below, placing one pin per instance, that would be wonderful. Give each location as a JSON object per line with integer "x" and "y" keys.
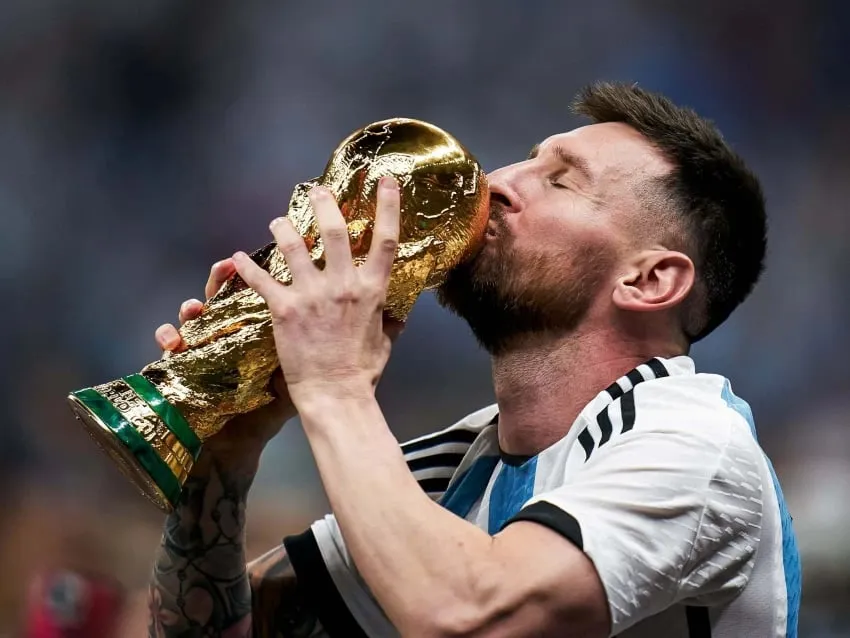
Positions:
{"x": 153, "y": 424}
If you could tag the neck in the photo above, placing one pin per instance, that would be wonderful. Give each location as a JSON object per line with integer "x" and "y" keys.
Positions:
{"x": 542, "y": 386}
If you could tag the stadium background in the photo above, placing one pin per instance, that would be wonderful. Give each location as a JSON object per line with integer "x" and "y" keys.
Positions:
{"x": 140, "y": 142}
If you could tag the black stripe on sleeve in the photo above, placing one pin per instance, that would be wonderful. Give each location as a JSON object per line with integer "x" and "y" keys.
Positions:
{"x": 452, "y": 436}
{"x": 318, "y": 587}
{"x": 552, "y": 517}
{"x": 447, "y": 459}
{"x": 586, "y": 440}
{"x": 657, "y": 368}
{"x": 699, "y": 623}
{"x": 615, "y": 391}
{"x": 605, "y": 426}
{"x": 635, "y": 377}
{"x": 627, "y": 405}
{"x": 434, "y": 484}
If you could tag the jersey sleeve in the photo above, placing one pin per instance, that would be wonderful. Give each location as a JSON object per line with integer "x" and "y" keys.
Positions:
{"x": 330, "y": 582}
{"x": 434, "y": 458}
{"x": 666, "y": 516}
{"x": 324, "y": 568}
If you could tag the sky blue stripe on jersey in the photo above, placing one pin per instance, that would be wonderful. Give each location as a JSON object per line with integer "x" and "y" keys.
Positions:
{"x": 790, "y": 553}
{"x": 462, "y": 493}
{"x": 512, "y": 488}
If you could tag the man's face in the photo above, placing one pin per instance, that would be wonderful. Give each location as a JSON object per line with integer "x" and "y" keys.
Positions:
{"x": 563, "y": 222}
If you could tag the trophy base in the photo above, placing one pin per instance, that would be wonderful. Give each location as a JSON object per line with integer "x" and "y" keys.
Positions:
{"x": 120, "y": 453}
{"x": 143, "y": 433}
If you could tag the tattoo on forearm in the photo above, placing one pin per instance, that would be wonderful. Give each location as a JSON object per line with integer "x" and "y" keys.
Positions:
{"x": 200, "y": 583}
{"x": 201, "y": 587}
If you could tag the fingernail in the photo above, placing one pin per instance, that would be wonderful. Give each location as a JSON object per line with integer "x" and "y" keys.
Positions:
{"x": 165, "y": 340}
{"x": 318, "y": 191}
{"x": 275, "y": 222}
{"x": 239, "y": 255}
{"x": 188, "y": 303}
{"x": 389, "y": 183}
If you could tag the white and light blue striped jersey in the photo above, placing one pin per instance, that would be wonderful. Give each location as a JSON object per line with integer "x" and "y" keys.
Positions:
{"x": 660, "y": 481}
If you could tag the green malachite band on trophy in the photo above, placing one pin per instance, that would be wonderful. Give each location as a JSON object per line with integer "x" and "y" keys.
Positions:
{"x": 161, "y": 474}
{"x": 172, "y": 419}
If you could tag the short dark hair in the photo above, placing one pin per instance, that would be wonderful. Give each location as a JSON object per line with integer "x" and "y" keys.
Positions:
{"x": 718, "y": 199}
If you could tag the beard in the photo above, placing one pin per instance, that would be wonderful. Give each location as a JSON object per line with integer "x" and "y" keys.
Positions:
{"x": 509, "y": 299}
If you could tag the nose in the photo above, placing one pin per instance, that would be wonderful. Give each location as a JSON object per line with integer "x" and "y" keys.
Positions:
{"x": 499, "y": 197}
{"x": 505, "y": 185}
{"x": 501, "y": 192}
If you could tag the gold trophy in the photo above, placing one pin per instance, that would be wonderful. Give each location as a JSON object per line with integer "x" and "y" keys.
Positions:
{"x": 154, "y": 423}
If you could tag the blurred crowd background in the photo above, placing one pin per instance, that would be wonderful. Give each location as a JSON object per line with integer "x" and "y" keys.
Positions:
{"x": 142, "y": 141}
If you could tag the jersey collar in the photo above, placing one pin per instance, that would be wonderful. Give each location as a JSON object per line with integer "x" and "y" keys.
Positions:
{"x": 655, "y": 368}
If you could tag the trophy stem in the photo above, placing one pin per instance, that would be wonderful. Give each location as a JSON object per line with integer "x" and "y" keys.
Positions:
{"x": 147, "y": 437}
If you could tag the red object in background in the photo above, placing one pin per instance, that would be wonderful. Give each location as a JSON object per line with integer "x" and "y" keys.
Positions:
{"x": 68, "y": 604}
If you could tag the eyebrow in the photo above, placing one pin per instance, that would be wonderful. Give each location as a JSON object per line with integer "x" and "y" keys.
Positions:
{"x": 565, "y": 157}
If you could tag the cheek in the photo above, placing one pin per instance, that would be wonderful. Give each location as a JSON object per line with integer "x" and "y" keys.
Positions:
{"x": 555, "y": 239}
{"x": 560, "y": 255}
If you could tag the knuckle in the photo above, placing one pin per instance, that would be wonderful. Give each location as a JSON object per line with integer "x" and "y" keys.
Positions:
{"x": 335, "y": 232}
{"x": 372, "y": 291}
{"x": 350, "y": 289}
{"x": 388, "y": 243}
{"x": 291, "y": 244}
{"x": 346, "y": 295}
{"x": 283, "y": 312}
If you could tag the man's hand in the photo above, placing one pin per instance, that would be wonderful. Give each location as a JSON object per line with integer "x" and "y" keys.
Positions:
{"x": 244, "y": 437}
{"x": 328, "y": 324}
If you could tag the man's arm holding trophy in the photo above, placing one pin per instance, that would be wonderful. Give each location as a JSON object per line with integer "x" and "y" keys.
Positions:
{"x": 188, "y": 429}
{"x": 264, "y": 597}
{"x": 200, "y": 577}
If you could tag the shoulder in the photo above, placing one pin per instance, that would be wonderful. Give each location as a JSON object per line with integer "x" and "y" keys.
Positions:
{"x": 434, "y": 459}
{"x": 465, "y": 430}
{"x": 689, "y": 421}
{"x": 701, "y": 405}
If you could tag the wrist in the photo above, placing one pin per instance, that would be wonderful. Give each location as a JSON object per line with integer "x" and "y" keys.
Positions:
{"x": 308, "y": 396}
{"x": 240, "y": 444}
{"x": 350, "y": 409}
{"x": 234, "y": 461}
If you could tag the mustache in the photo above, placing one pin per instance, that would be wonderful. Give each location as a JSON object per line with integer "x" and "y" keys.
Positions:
{"x": 497, "y": 214}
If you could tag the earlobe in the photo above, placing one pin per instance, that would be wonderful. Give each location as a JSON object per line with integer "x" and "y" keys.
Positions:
{"x": 659, "y": 280}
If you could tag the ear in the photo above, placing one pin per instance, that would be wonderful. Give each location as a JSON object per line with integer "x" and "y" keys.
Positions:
{"x": 656, "y": 280}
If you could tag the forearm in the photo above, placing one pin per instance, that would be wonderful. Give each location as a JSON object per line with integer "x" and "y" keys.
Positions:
{"x": 200, "y": 578}
{"x": 415, "y": 556}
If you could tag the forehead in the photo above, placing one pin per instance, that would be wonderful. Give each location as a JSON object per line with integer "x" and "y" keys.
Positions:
{"x": 612, "y": 151}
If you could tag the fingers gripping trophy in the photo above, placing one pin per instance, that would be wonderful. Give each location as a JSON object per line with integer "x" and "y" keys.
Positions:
{"x": 154, "y": 423}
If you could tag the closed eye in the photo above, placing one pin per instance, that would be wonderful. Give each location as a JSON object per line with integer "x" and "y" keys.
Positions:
{"x": 556, "y": 184}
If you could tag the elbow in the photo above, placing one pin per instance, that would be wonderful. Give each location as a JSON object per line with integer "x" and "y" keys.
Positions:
{"x": 458, "y": 619}
{"x": 455, "y": 620}
{"x": 480, "y": 607}
{"x": 458, "y": 616}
